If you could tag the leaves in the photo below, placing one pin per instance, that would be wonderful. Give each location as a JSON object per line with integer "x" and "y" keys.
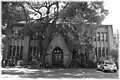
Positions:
{"x": 12, "y": 11}
{"x": 89, "y": 11}
{"x": 78, "y": 18}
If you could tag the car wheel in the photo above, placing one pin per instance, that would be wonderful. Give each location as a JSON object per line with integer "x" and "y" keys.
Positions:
{"x": 103, "y": 69}
{"x": 115, "y": 71}
{"x": 98, "y": 69}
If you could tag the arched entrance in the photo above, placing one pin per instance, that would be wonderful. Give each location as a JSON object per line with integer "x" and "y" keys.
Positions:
{"x": 57, "y": 57}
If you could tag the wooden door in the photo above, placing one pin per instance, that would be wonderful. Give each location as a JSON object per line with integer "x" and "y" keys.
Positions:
{"x": 57, "y": 57}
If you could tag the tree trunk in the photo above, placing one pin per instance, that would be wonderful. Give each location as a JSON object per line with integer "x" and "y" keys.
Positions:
{"x": 44, "y": 50}
{"x": 46, "y": 43}
{"x": 48, "y": 34}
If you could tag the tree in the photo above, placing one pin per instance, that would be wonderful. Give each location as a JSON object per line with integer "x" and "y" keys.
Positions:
{"x": 84, "y": 18}
{"x": 71, "y": 19}
{"x": 12, "y": 11}
{"x": 114, "y": 54}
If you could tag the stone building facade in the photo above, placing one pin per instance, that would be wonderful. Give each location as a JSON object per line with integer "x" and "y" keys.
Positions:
{"x": 25, "y": 47}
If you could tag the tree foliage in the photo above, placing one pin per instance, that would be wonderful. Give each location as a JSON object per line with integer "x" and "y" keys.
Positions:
{"x": 12, "y": 12}
{"x": 77, "y": 21}
{"x": 83, "y": 14}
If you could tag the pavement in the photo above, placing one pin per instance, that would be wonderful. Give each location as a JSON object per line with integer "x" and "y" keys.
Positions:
{"x": 24, "y": 73}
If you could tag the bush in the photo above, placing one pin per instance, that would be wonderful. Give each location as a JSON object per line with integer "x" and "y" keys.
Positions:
{"x": 20, "y": 63}
{"x": 33, "y": 63}
{"x": 10, "y": 62}
{"x": 114, "y": 54}
{"x": 89, "y": 64}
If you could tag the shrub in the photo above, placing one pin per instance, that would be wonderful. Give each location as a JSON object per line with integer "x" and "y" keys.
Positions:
{"x": 10, "y": 62}
{"x": 89, "y": 64}
{"x": 114, "y": 54}
{"x": 34, "y": 63}
{"x": 20, "y": 63}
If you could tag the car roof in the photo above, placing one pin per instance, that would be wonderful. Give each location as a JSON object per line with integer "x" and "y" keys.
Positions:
{"x": 108, "y": 61}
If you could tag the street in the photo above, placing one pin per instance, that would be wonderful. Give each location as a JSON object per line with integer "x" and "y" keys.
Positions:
{"x": 56, "y": 73}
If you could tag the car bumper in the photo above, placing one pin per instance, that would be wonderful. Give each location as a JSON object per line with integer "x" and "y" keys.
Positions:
{"x": 110, "y": 69}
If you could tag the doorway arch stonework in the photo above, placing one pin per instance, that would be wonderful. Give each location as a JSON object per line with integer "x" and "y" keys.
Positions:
{"x": 57, "y": 57}
{"x": 58, "y": 41}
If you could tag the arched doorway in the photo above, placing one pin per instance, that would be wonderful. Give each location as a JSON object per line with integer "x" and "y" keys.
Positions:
{"x": 57, "y": 57}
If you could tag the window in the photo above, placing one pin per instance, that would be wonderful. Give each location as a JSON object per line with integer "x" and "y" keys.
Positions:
{"x": 33, "y": 38}
{"x": 65, "y": 39}
{"x": 107, "y": 51}
{"x": 14, "y": 50}
{"x": 98, "y": 36}
{"x": 99, "y": 51}
{"x": 94, "y": 38}
{"x": 10, "y": 50}
{"x": 21, "y": 52}
{"x": 102, "y": 36}
{"x": 105, "y": 36}
{"x": 60, "y": 56}
{"x": 96, "y": 50}
{"x": 103, "y": 52}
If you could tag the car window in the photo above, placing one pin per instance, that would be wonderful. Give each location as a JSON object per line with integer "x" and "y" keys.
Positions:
{"x": 109, "y": 63}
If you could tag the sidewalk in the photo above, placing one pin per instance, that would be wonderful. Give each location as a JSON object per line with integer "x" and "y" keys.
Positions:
{"x": 54, "y": 73}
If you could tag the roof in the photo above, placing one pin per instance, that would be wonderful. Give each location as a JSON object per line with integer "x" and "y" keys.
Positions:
{"x": 18, "y": 24}
{"x": 105, "y": 26}
{"x": 58, "y": 40}
{"x": 21, "y": 23}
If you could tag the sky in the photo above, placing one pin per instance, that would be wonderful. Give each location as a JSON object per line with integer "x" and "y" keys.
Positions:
{"x": 114, "y": 13}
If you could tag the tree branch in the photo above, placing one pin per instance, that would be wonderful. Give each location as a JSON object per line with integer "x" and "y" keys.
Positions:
{"x": 35, "y": 9}
{"x": 48, "y": 8}
{"x": 26, "y": 17}
{"x": 66, "y": 5}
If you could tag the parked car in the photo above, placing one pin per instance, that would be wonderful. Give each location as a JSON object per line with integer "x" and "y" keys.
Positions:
{"x": 107, "y": 65}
